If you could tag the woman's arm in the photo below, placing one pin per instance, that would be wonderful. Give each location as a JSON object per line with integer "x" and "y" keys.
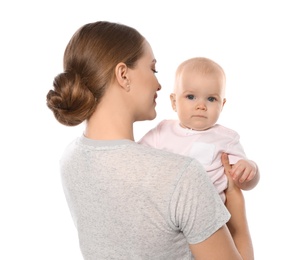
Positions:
{"x": 238, "y": 225}
{"x": 219, "y": 246}
{"x": 225, "y": 245}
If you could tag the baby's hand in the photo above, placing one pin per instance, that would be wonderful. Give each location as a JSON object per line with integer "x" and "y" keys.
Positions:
{"x": 243, "y": 171}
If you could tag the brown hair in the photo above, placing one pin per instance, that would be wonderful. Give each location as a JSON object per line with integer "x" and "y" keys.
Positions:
{"x": 89, "y": 66}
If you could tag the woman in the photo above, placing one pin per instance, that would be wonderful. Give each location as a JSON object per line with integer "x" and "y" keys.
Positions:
{"x": 129, "y": 201}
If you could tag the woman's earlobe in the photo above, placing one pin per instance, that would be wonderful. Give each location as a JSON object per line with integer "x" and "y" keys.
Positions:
{"x": 128, "y": 87}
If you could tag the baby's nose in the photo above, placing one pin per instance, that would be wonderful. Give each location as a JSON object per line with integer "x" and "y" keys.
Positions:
{"x": 201, "y": 105}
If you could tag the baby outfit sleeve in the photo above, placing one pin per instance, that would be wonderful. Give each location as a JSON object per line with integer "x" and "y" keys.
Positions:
{"x": 151, "y": 137}
{"x": 235, "y": 149}
{"x": 148, "y": 139}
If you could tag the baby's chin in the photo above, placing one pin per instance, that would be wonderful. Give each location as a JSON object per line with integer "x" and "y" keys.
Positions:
{"x": 201, "y": 128}
{"x": 196, "y": 127}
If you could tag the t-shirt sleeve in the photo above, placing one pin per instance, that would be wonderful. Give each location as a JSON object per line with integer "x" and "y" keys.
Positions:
{"x": 196, "y": 208}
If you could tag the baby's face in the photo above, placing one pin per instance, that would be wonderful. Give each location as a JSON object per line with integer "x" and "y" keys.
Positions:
{"x": 198, "y": 99}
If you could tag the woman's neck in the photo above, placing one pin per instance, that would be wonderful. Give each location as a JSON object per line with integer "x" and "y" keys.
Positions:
{"x": 112, "y": 119}
{"x": 108, "y": 130}
{"x": 105, "y": 125}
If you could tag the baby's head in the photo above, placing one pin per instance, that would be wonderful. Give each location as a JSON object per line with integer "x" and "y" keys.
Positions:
{"x": 199, "y": 93}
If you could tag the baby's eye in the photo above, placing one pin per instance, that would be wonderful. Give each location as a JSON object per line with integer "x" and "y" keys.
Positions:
{"x": 191, "y": 97}
{"x": 211, "y": 99}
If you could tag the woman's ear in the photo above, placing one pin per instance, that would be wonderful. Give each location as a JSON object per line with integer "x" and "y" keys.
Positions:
{"x": 173, "y": 101}
{"x": 121, "y": 73}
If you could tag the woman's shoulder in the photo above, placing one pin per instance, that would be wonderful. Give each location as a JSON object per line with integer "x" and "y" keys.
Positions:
{"x": 165, "y": 159}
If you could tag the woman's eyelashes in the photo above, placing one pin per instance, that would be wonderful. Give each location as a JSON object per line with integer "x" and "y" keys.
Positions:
{"x": 154, "y": 71}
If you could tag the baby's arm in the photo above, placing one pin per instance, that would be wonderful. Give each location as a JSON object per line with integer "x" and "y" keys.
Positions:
{"x": 245, "y": 174}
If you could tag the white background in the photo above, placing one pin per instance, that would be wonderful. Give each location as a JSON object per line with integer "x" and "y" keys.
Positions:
{"x": 258, "y": 43}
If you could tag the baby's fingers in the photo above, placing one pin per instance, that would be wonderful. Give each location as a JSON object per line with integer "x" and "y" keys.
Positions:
{"x": 248, "y": 175}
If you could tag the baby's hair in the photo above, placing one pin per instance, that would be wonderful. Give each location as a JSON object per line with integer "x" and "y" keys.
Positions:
{"x": 89, "y": 62}
{"x": 200, "y": 65}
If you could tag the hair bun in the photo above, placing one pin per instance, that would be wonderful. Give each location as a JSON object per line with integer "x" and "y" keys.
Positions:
{"x": 71, "y": 101}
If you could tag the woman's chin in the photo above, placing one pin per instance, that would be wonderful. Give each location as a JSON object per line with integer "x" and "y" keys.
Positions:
{"x": 148, "y": 117}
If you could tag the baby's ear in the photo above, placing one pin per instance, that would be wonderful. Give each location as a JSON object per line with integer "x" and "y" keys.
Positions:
{"x": 173, "y": 101}
{"x": 224, "y": 102}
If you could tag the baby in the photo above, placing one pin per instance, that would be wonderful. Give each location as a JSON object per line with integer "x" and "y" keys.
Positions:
{"x": 198, "y": 99}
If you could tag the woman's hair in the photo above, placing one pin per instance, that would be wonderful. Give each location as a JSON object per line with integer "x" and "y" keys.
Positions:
{"x": 89, "y": 61}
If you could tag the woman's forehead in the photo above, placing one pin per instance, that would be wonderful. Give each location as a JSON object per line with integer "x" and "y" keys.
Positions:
{"x": 148, "y": 52}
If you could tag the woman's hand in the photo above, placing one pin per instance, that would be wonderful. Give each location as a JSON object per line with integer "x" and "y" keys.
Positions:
{"x": 228, "y": 167}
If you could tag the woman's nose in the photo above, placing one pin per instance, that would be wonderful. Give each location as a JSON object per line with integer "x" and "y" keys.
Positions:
{"x": 159, "y": 87}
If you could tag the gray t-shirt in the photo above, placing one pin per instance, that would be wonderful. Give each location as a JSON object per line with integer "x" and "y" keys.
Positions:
{"x": 129, "y": 201}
